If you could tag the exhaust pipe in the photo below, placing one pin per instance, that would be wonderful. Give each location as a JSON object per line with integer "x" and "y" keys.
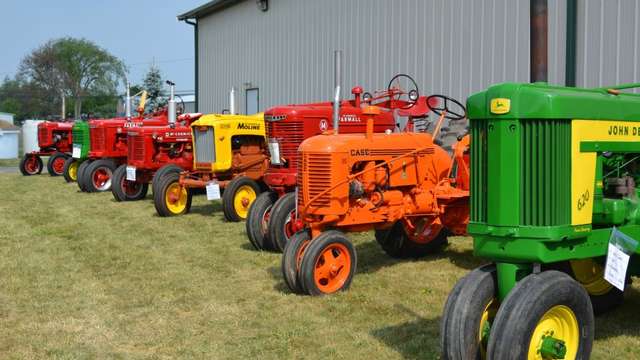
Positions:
{"x": 337, "y": 63}
{"x": 127, "y": 104}
{"x": 171, "y": 105}
{"x": 538, "y": 40}
{"x": 232, "y": 101}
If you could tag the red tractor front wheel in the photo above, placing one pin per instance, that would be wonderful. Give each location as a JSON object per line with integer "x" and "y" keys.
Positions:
{"x": 258, "y": 221}
{"x": 30, "y": 165}
{"x": 126, "y": 190}
{"x": 55, "y": 165}
{"x": 281, "y": 221}
{"x": 98, "y": 175}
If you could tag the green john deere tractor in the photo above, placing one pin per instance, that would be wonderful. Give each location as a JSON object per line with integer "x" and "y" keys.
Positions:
{"x": 554, "y": 205}
{"x": 81, "y": 143}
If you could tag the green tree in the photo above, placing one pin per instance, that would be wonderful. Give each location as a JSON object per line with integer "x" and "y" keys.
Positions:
{"x": 73, "y": 67}
{"x": 153, "y": 85}
{"x": 27, "y": 99}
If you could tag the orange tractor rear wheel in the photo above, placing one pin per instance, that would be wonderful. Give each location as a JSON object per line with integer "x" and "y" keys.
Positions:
{"x": 400, "y": 242}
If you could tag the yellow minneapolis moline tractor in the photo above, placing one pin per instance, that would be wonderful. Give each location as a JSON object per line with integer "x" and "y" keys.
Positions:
{"x": 554, "y": 207}
{"x": 229, "y": 160}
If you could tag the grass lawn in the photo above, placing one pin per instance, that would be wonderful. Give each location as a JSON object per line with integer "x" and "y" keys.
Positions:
{"x": 82, "y": 276}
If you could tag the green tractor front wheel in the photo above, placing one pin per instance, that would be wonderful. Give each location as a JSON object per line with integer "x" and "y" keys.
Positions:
{"x": 70, "y": 170}
{"x": 468, "y": 314}
{"x": 545, "y": 316}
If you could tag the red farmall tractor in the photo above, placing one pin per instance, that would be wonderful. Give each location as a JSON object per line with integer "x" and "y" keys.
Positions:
{"x": 152, "y": 152}
{"x": 269, "y": 225}
{"x": 402, "y": 185}
{"x": 55, "y": 141}
{"x": 109, "y": 147}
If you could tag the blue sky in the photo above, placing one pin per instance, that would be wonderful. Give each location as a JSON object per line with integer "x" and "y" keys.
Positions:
{"x": 138, "y": 32}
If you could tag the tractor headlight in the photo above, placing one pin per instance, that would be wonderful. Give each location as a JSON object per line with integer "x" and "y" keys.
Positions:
{"x": 274, "y": 152}
{"x": 413, "y": 95}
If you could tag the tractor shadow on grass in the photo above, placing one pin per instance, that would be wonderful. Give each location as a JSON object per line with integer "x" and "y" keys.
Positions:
{"x": 372, "y": 258}
{"x": 418, "y": 338}
{"x": 624, "y": 320}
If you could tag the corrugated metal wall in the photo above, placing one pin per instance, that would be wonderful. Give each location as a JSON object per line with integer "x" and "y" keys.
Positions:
{"x": 453, "y": 47}
{"x": 608, "y": 42}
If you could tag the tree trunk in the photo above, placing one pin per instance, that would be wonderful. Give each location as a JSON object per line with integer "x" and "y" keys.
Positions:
{"x": 77, "y": 108}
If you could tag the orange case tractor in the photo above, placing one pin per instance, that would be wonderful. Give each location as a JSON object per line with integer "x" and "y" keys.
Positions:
{"x": 402, "y": 185}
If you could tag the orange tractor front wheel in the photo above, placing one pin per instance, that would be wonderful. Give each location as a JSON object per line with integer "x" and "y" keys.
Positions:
{"x": 321, "y": 266}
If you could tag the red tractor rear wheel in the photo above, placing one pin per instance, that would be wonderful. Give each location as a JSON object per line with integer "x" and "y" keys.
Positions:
{"x": 258, "y": 220}
{"x": 98, "y": 175}
{"x": 30, "y": 165}
{"x": 80, "y": 175}
{"x": 280, "y": 225}
{"x": 125, "y": 190}
{"x": 397, "y": 243}
{"x": 55, "y": 165}
{"x": 328, "y": 264}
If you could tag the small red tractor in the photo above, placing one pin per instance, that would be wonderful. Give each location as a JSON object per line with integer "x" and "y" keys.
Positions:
{"x": 152, "y": 152}
{"x": 269, "y": 225}
{"x": 402, "y": 185}
{"x": 108, "y": 147}
{"x": 55, "y": 141}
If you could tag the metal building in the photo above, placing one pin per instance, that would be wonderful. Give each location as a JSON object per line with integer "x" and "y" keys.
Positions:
{"x": 280, "y": 51}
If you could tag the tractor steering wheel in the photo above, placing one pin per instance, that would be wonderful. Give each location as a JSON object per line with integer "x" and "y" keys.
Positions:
{"x": 397, "y": 93}
{"x": 181, "y": 107}
{"x": 449, "y": 114}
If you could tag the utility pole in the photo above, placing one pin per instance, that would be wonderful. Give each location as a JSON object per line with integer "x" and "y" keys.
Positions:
{"x": 63, "y": 106}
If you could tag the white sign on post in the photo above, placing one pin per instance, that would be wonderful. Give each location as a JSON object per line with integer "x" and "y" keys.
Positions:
{"x": 619, "y": 252}
{"x": 131, "y": 173}
{"x": 213, "y": 191}
{"x": 77, "y": 151}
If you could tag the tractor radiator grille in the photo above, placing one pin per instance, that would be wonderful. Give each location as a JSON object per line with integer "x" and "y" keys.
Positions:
{"x": 78, "y": 136}
{"x": 205, "y": 147}
{"x": 478, "y": 171}
{"x": 136, "y": 147}
{"x": 315, "y": 178}
{"x": 545, "y": 191}
{"x": 289, "y": 134}
{"x": 43, "y": 139}
{"x": 96, "y": 136}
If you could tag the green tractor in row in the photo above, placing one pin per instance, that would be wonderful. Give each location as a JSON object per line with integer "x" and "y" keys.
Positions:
{"x": 554, "y": 207}
{"x": 80, "y": 150}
